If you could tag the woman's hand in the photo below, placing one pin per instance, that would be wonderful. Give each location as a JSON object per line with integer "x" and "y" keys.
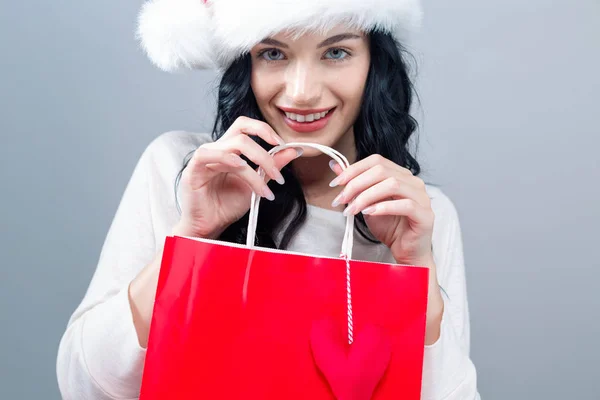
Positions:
{"x": 217, "y": 184}
{"x": 397, "y": 210}
{"x": 396, "y": 206}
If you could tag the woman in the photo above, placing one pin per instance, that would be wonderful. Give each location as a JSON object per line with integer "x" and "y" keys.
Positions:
{"x": 327, "y": 72}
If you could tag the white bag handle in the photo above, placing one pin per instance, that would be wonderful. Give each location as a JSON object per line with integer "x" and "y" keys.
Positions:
{"x": 346, "y": 252}
{"x": 338, "y": 158}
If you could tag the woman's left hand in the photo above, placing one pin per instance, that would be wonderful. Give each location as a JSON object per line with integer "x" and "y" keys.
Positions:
{"x": 396, "y": 207}
{"x": 397, "y": 210}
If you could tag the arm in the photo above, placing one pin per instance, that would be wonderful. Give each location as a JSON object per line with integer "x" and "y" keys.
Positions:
{"x": 99, "y": 356}
{"x": 448, "y": 372}
{"x": 142, "y": 291}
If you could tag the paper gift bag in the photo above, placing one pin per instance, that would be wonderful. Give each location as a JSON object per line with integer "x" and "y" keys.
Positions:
{"x": 243, "y": 322}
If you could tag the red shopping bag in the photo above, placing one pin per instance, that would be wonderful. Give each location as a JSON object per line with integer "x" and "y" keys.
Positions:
{"x": 240, "y": 322}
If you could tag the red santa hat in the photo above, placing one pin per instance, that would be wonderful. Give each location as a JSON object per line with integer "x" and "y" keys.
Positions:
{"x": 202, "y": 34}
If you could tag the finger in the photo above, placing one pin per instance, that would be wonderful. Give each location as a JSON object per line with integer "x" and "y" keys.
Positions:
{"x": 204, "y": 156}
{"x": 248, "y": 175}
{"x": 242, "y": 144}
{"x": 360, "y": 183}
{"x": 418, "y": 215}
{"x": 251, "y": 177}
{"x": 284, "y": 157}
{"x": 335, "y": 167}
{"x": 390, "y": 188}
{"x": 254, "y": 127}
{"x": 361, "y": 166}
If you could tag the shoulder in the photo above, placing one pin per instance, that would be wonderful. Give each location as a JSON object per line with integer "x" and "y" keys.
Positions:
{"x": 442, "y": 206}
{"x": 167, "y": 151}
{"x": 176, "y": 144}
{"x": 165, "y": 155}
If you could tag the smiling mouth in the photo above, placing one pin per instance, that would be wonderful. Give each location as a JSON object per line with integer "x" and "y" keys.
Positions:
{"x": 305, "y": 122}
{"x": 306, "y": 118}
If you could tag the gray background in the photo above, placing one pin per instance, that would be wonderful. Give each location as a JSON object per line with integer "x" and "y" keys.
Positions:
{"x": 509, "y": 101}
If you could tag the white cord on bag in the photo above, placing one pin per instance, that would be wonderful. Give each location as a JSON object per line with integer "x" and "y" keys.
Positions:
{"x": 347, "y": 242}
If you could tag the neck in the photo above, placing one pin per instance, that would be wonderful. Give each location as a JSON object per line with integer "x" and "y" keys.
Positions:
{"x": 314, "y": 174}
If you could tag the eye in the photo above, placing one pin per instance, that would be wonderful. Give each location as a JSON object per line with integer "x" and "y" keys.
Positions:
{"x": 337, "y": 54}
{"x": 271, "y": 54}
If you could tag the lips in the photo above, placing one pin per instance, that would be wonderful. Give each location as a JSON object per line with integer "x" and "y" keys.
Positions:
{"x": 305, "y": 127}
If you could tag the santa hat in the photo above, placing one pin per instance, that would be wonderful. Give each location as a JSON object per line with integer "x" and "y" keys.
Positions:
{"x": 203, "y": 34}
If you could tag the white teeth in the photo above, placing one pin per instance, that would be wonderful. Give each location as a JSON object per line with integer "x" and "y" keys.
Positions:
{"x": 306, "y": 118}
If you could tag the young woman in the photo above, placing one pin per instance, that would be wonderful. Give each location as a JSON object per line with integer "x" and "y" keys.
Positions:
{"x": 327, "y": 72}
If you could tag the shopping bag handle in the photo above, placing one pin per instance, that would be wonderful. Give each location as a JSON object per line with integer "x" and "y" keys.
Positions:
{"x": 338, "y": 158}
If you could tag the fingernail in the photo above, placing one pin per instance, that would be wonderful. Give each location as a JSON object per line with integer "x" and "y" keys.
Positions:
{"x": 337, "y": 201}
{"x": 299, "y": 152}
{"x": 278, "y": 177}
{"x": 279, "y": 140}
{"x": 349, "y": 210}
{"x": 332, "y": 164}
{"x": 335, "y": 182}
{"x": 267, "y": 194}
{"x": 369, "y": 210}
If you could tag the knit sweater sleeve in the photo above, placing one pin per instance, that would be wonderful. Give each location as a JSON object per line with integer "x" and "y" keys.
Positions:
{"x": 448, "y": 372}
{"x": 99, "y": 356}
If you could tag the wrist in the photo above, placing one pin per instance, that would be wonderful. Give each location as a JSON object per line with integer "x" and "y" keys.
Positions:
{"x": 180, "y": 229}
{"x": 184, "y": 229}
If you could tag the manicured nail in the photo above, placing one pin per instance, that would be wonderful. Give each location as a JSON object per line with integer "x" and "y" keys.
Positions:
{"x": 267, "y": 194}
{"x": 299, "y": 151}
{"x": 349, "y": 210}
{"x": 279, "y": 140}
{"x": 338, "y": 200}
{"x": 369, "y": 210}
{"x": 335, "y": 182}
{"x": 332, "y": 164}
{"x": 278, "y": 176}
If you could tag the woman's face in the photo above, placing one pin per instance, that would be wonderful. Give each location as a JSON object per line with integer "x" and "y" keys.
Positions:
{"x": 310, "y": 89}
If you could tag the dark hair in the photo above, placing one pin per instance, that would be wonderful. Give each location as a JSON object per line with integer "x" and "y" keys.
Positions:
{"x": 383, "y": 126}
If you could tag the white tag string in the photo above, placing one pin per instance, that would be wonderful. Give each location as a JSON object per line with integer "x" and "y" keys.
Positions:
{"x": 349, "y": 303}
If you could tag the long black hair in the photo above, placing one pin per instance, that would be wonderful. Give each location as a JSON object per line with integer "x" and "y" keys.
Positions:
{"x": 383, "y": 126}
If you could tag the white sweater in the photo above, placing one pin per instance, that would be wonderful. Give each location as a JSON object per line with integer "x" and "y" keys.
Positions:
{"x": 99, "y": 356}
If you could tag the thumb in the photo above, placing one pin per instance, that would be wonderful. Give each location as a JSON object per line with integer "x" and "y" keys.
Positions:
{"x": 284, "y": 157}
{"x": 335, "y": 167}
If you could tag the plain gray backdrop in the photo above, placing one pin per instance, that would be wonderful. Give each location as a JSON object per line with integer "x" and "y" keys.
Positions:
{"x": 508, "y": 125}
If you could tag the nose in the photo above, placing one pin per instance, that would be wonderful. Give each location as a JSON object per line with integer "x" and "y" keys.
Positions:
{"x": 303, "y": 86}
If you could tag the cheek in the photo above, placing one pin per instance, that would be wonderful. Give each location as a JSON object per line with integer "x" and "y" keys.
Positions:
{"x": 263, "y": 87}
{"x": 350, "y": 92}
{"x": 257, "y": 86}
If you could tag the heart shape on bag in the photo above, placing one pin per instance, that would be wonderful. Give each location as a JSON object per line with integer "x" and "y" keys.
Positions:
{"x": 354, "y": 371}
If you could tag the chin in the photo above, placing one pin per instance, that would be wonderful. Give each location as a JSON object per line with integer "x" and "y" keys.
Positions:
{"x": 322, "y": 139}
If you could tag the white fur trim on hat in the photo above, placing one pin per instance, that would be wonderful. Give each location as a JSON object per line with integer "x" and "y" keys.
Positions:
{"x": 177, "y": 34}
{"x": 185, "y": 33}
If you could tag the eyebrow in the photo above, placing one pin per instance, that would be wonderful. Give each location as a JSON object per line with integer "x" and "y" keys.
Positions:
{"x": 326, "y": 42}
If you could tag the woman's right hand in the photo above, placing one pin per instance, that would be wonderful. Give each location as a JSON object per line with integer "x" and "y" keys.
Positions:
{"x": 217, "y": 184}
